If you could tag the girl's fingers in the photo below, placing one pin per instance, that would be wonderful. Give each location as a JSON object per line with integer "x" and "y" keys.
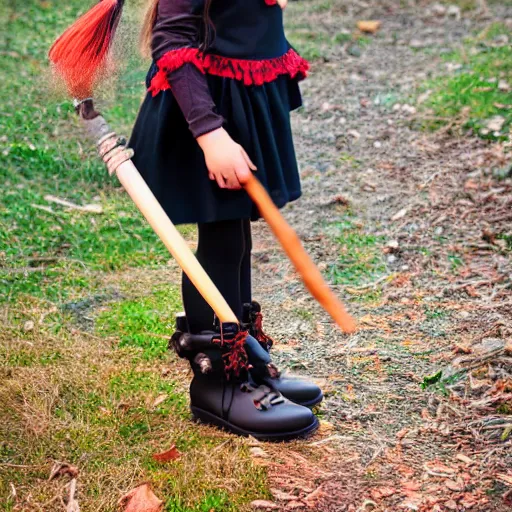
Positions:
{"x": 243, "y": 174}
{"x": 233, "y": 183}
{"x": 220, "y": 181}
{"x": 248, "y": 160}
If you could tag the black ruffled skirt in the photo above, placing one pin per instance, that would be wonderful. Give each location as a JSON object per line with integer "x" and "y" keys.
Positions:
{"x": 172, "y": 163}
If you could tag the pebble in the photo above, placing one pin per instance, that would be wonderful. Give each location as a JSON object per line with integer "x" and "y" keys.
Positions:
{"x": 393, "y": 245}
{"x": 417, "y": 43}
{"x": 503, "y": 85}
{"x": 495, "y": 124}
{"x": 438, "y": 10}
{"x": 354, "y": 50}
{"x": 439, "y": 230}
{"x": 28, "y": 326}
{"x": 377, "y": 144}
{"x": 408, "y": 109}
{"x": 454, "y": 11}
{"x": 392, "y": 258}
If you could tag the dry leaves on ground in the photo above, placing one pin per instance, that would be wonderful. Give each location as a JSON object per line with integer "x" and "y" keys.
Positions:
{"x": 141, "y": 499}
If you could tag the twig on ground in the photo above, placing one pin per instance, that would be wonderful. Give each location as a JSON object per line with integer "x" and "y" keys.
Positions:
{"x": 72, "y": 505}
{"x": 88, "y": 208}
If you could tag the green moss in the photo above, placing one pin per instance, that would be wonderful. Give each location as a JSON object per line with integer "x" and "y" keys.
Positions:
{"x": 147, "y": 322}
{"x": 360, "y": 256}
{"x": 477, "y": 90}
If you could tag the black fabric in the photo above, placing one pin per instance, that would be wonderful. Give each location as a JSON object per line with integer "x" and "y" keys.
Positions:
{"x": 172, "y": 163}
{"x": 190, "y": 88}
{"x": 178, "y": 24}
{"x": 224, "y": 251}
{"x": 244, "y": 29}
{"x": 245, "y": 267}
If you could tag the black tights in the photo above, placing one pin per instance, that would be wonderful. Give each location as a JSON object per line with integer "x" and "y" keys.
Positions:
{"x": 224, "y": 251}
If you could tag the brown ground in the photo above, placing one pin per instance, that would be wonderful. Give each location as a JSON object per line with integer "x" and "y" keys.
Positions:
{"x": 387, "y": 444}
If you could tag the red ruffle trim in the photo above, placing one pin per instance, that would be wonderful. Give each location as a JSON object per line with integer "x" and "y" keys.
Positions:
{"x": 250, "y": 72}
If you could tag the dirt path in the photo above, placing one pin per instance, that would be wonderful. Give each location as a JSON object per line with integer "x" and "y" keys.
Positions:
{"x": 443, "y": 291}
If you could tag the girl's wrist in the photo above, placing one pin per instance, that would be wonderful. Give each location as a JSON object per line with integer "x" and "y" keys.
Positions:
{"x": 208, "y": 139}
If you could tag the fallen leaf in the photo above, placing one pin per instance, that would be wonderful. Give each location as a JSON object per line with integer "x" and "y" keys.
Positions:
{"x": 63, "y": 468}
{"x": 450, "y": 505}
{"x": 292, "y": 505}
{"x": 402, "y": 433}
{"x": 171, "y": 454}
{"x": 462, "y": 348}
{"x": 283, "y": 496}
{"x": 159, "y": 400}
{"x": 471, "y": 185}
{"x": 314, "y": 496}
{"x": 410, "y": 486}
{"x": 405, "y": 470}
{"x": 439, "y": 469}
{"x": 258, "y": 452}
{"x": 325, "y": 426}
{"x": 141, "y": 499}
{"x": 264, "y": 504}
{"x": 505, "y": 478}
{"x": 465, "y": 459}
{"x": 468, "y": 501}
{"x": 412, "y": 503}
{"x": 455, "y": 486}
{"x": 382, "y": 492}
{"x": 368, "y": 26}
{"x": 400, "y": 214}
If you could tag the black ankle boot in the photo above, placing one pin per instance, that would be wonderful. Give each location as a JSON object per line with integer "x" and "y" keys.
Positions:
{"x": 224, "y": 394}
{"x": 294, "y": 388}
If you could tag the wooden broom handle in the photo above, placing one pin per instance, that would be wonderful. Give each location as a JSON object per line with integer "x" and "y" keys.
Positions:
{"x": 149, "y": 206}
{"x": 303, "y": 263}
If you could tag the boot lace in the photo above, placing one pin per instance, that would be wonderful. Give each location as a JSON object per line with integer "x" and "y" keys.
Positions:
{"x": 235, "y": 359}
{"x": 264, "y": 397}
{"x": 266, "y": 341}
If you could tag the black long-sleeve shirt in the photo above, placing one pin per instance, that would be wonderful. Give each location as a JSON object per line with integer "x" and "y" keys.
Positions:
{"x": 179, "y": 25}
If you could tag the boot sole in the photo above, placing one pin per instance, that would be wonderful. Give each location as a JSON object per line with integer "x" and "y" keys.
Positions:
{"x": 311, "y": 403}
{"x": 211, "y": 419}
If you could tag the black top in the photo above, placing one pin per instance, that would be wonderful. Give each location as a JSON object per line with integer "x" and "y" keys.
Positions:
{"x": 243, "y": 29}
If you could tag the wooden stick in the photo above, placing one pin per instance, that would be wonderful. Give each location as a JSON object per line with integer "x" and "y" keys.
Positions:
{"x": 149, "y": 206}
{"x": 303, "y": 263}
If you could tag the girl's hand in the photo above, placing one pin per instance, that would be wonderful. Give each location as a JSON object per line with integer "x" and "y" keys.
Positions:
{"x": 228, "y": 163}
{"x": 282, "y": 3}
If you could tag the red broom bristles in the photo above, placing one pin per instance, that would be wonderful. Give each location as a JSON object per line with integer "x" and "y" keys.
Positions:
{"x": 79, "y": 53}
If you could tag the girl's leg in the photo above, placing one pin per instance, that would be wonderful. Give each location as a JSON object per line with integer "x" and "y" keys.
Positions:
{"x": 220, "y": 251}
{"x": 245, "y": 268}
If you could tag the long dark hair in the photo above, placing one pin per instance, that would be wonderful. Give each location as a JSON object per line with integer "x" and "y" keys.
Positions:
{"x": 208, "y": 32}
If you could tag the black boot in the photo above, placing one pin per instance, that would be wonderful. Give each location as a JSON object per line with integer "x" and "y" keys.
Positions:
{"x": 294, "y": 388}
{"x": 223, "y": 392}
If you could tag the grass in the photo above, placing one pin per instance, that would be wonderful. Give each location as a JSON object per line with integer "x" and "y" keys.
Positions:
{"x": 85, "y": 309}
{"x": 144, "y": 322}
{"x": 316, "y": 39}
{"x": 478, "y": 91}
{"x": 94, "y": 406}
{"x": 359, "y": 259}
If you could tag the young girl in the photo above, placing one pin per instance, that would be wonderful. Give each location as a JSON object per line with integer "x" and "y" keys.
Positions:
{"x": 220, "y": 90}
